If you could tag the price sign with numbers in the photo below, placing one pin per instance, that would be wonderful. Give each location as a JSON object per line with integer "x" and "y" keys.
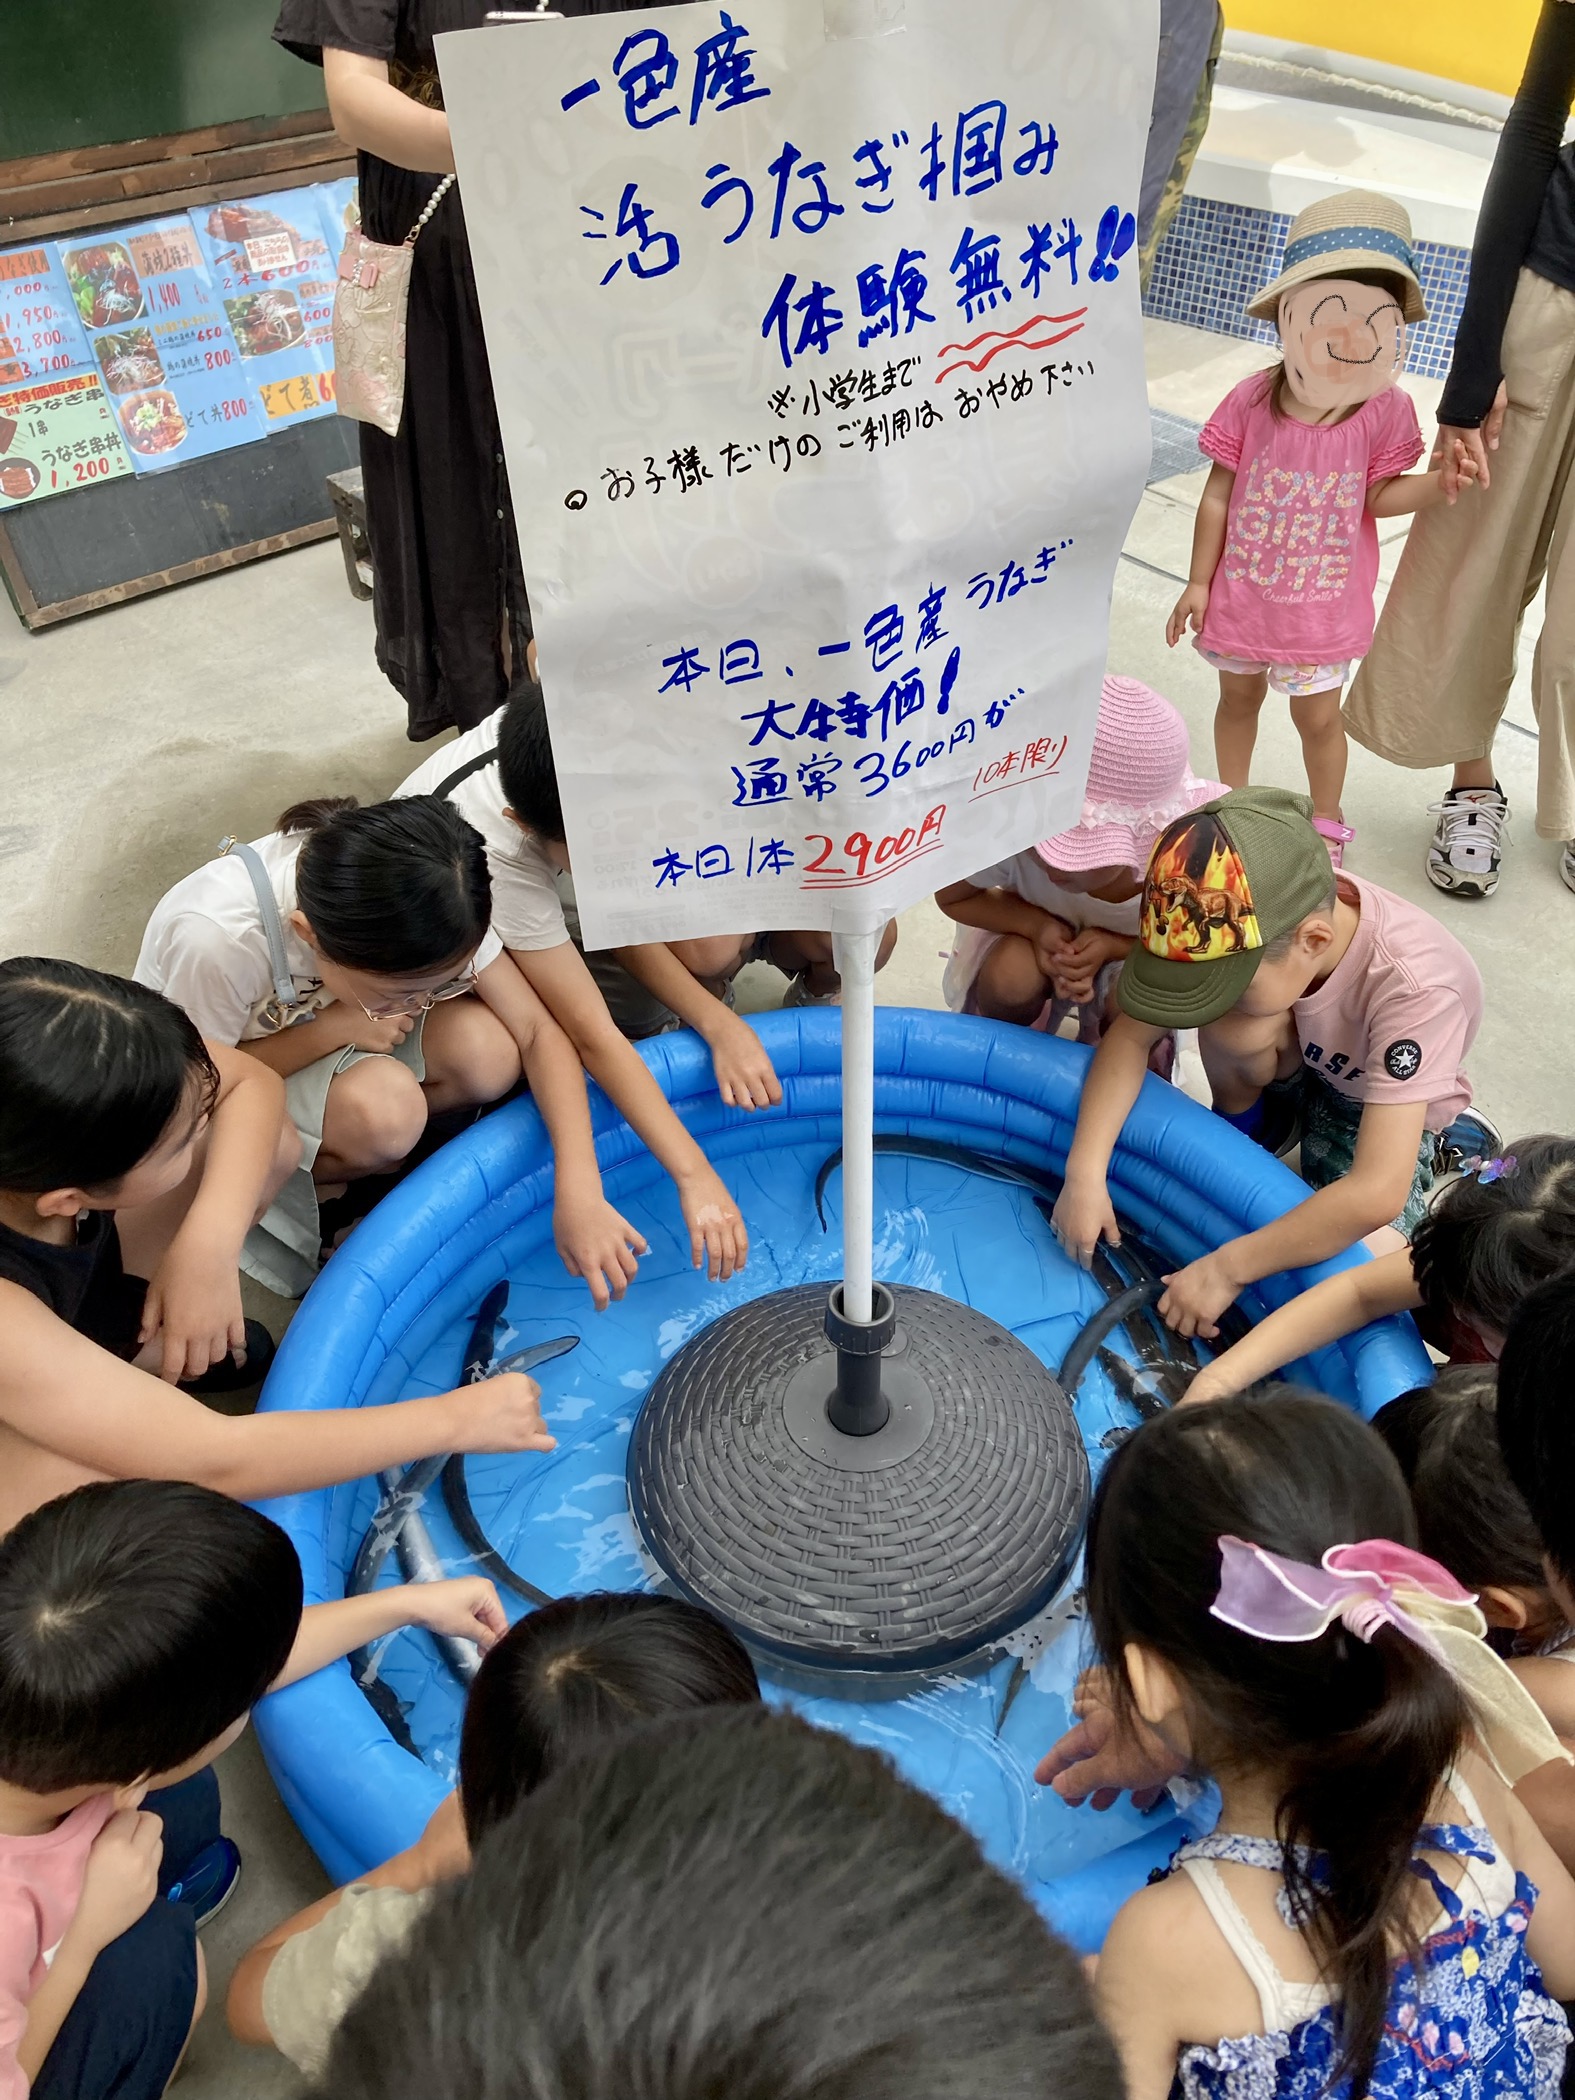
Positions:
{"x": 815, "y": 334}
{"x": 161, "y": 342}
{"x": 273, "y": 267}
{"x": 57, "y": 436}
{"x": 40, "y": 335}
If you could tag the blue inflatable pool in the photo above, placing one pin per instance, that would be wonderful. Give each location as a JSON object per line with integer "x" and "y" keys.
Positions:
{"x": 392, "y": 1313}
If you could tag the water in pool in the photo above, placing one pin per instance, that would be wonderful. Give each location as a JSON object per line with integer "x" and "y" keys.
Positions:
{"x": 563, "y": 1520}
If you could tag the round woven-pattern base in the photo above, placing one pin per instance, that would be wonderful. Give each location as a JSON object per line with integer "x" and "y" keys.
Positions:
{"x": 897, "y": 1566}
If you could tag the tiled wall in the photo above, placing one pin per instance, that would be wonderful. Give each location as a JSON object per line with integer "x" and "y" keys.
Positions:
{"x": 1218, "y": 256}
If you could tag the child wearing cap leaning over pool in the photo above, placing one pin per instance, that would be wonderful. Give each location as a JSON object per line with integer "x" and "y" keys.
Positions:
{"x": 1326, "y": 1008}
{"x": 1307, "y": 457}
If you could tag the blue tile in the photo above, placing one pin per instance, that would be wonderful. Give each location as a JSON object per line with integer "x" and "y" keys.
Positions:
{"x": 1217, "y": 256}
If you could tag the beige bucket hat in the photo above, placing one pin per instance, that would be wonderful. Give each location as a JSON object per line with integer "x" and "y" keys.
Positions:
{"x": 1355, "y": 230}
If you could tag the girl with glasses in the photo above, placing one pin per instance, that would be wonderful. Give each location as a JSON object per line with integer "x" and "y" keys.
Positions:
{"x": 351, "y": 951}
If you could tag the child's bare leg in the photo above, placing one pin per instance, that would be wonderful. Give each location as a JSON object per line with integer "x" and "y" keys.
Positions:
{"x": 373, "y": 1119}
{"x": 810, "y": 955}
{"x": 470, "y": 1056}
{"x": 1236, "y": 724}
{"x": 146, "y": 1232}
{"x": 714, "y": 960}
{"x": 1243, "y": 1053}
{"x": 1010, "y": 985}
{"x": 1318, "y": 724}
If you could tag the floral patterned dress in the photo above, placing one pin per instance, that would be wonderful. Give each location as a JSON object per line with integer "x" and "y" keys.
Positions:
{"x": 1472, "y": 2021}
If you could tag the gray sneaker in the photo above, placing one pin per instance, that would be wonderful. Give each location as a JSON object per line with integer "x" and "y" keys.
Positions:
{"x": 1467, "y": 841}
{"x": 1567, "y": 863}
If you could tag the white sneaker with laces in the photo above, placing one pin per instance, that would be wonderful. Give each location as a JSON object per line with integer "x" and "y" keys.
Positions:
{"x": 1467, "y": 841}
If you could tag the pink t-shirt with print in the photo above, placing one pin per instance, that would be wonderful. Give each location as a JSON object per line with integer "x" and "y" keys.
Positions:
{"x": 40, "y": 1886}
{"x": 1296, "y": 580}
{"x": 1395, "y": 1017}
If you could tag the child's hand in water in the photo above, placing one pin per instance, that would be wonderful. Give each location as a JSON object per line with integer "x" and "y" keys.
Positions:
{"x": 1189, "y": 611}
{"x": 596, "y": 1242}
{"x": 499, "y": 1414}
{"x": 1083, "y": 1216}
{"x": 1098, "y": 1759}
{"x": 465, "y": 1607}
{"x": 1196, "y": 1296}
{"x": 718, "y": 1237}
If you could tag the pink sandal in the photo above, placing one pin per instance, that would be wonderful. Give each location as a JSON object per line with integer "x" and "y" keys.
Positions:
{"x": 1336, "y": 836}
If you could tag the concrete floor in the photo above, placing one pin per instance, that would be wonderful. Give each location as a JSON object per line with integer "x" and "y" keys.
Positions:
{"x": 135, "y": 740}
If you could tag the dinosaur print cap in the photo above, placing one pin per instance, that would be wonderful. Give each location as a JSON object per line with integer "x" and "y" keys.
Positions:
{"x": 1222, "y": 884}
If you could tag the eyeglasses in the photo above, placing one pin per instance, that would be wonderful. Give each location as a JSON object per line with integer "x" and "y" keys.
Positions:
{"x": 421, "y": 1002}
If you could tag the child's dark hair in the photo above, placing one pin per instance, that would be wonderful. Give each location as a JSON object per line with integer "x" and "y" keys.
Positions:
{"x": 394, "y": 889}
{"x": 1536, "y": 1422}
{"x": 1485, "y": 1244}
{"x": 93, "y": 1071}
{"x": 727, "y": 1903}
{"x": 526, "y": 773}
{"x": 139, "y": 1619}
{"x": 1470, "y": 1516}
{"x": 1277, "y": 379}
{"x": 579, "y": 1670}
{"x": 1359, "y": 1733}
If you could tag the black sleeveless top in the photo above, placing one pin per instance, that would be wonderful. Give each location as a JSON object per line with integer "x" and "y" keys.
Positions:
{"x": 84, "y": 1284}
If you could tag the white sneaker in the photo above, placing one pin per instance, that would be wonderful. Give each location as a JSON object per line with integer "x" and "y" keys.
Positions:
{"x": 1467, "y": 841}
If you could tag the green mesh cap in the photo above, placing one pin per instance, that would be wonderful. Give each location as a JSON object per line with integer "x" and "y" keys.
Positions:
{"x": 1222, "y": 883}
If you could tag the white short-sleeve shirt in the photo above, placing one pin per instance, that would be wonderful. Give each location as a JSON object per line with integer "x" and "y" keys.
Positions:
{"x": 527, "y": 912}
{"x": 205, "y": 946}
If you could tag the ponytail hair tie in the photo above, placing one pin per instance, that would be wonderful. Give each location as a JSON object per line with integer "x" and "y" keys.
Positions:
{"x": 1487, "y": 1171}
{"x": 1374, "y": 1584}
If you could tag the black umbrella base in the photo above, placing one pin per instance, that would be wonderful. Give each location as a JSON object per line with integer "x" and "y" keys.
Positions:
{"x": 913, "y": 1546}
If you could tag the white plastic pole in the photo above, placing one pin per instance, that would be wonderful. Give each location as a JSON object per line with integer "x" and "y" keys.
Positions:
{"x": 854, "y": 954}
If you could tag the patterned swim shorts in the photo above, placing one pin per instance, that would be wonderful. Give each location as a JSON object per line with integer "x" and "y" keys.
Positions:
{"x": 1295, "y": 680}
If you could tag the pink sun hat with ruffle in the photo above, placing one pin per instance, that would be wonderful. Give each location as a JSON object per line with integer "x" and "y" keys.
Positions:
{"x": 1140, "y": 779}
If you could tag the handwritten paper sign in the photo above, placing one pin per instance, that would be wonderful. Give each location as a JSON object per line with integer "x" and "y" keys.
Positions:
{"x": 815, "y": 334}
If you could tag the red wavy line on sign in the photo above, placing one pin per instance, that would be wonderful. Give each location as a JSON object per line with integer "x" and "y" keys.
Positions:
{"x": 1017, "y": 339}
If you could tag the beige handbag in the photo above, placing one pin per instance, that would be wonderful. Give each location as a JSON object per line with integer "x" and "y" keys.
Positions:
{"x": 369, "y": 323}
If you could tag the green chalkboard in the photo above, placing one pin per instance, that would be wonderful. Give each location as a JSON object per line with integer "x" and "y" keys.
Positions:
{"x": 96, "y": 72}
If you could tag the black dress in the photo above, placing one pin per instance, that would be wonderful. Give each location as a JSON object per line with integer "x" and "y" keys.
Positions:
{"x": 445, "y": 557}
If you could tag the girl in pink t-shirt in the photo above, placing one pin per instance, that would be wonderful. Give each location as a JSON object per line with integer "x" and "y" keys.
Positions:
{"x": 1307, "y": 458}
